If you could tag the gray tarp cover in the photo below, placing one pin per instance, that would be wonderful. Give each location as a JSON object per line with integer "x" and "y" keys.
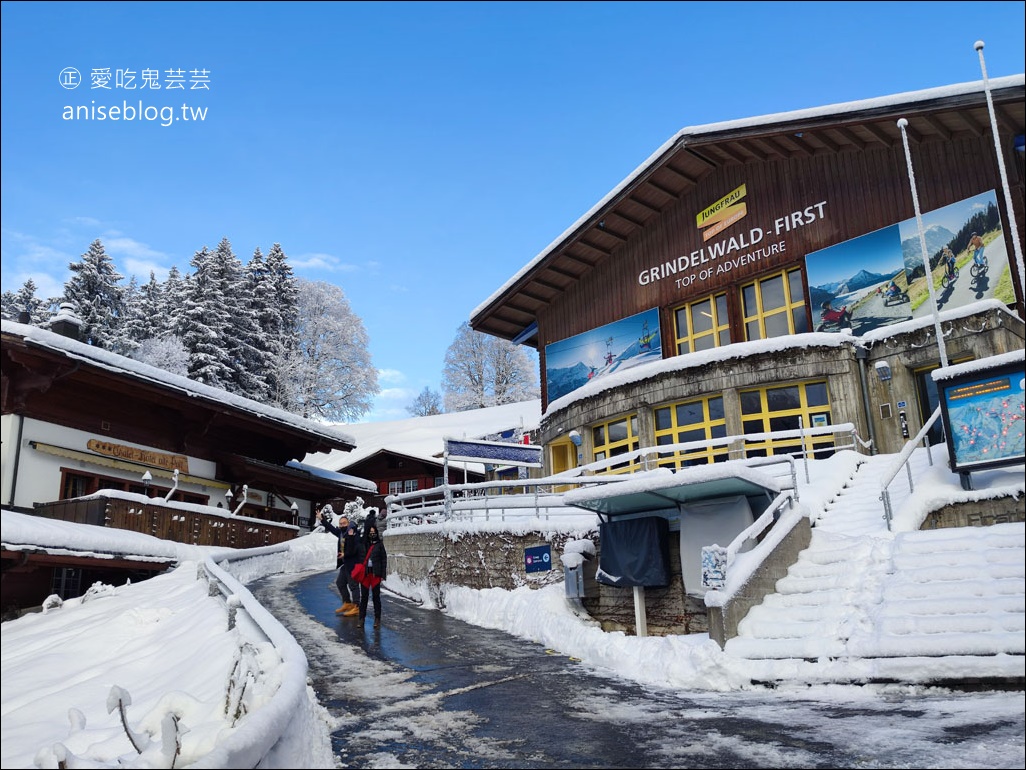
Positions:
{"x": 635, "y": 552}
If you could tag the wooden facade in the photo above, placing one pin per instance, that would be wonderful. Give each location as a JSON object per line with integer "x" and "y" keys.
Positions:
{"x": 809, "y": 180}
{"x": 388, "y": 469}
{"x": 852, "y": 160}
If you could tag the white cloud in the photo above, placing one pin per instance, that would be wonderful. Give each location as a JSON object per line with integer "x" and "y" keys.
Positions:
{"x": 321, "y": 261}
{"x": 391, "y": 376}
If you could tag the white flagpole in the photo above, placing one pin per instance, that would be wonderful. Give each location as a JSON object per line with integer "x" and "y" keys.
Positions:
{"x": 1016, "y": 245}
{"x": 922, "y": 246}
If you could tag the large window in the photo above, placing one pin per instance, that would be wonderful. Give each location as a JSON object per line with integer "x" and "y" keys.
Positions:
{"x": 691, "y": 421}
{"x": 774, "y": 306}
{"x": 616, "y": 437}
{"x": 787, "y": 407}
{"x": 78, "y": 484}
{"x": 702, "y": 325}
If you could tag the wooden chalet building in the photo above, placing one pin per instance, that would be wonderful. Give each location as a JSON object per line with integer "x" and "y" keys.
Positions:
{"x": 92, "y": 437}
{"x": 695, "y": 300}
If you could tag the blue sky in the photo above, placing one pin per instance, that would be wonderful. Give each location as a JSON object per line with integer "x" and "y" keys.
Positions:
{"x": 415, "y": 154}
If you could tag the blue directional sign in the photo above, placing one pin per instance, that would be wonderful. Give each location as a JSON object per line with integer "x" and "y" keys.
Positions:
{"x": 538, "y": 558}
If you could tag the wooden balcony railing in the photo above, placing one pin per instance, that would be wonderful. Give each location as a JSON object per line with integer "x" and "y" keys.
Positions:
{"x": 180, "y": 522}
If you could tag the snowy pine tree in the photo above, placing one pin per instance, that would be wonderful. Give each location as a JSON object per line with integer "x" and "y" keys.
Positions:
{"x": 172, "y": 300}
{"x": 203, "y": 323}
{"x": 279, "y": 313}
{"x": 129, "y": 332}
{"x": 94, "y": 289}
{"x": 25, "y": 300}
{"x": 241, "y": 335}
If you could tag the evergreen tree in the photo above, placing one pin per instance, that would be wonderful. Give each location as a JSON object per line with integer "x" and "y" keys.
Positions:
{"x": 153, "y": 318}
{"x": 173, "y": 292}
{"x": 129, "y": 332}
{"x": 279, "y": 323}
{"x": 25, "y": 300}
{"x": 203, "y": 323}
{"x": 241, "y": 332}
{"x": 482, "y": 370}
{"x": 95, "y": 292}
{"x": 427, "y": 403}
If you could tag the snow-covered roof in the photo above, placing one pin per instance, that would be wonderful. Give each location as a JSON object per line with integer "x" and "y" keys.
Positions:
{"x": 113, "y": 362}
{"x": 651, "y": 369}
{"x": 422, "y": 438}
{"x": 981, "y": 364}
{"x": 704, "y": 132}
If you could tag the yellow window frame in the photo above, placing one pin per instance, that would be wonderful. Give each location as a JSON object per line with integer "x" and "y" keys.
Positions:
{"x": 707, "y": 426}
{"x": 603, "y": 448}
{"x": 765, "y": 416}
{"x": 690, "y": 341}
{"x": 793, "y": 302}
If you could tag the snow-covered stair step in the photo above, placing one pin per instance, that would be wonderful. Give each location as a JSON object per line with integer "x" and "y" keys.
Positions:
{"x": 767, "y": 624}
{"x": 975, "y": 589}
{"x": 952, "y": 605}
{"x": 968, "y": 642}
{"x": 783, "y": 649}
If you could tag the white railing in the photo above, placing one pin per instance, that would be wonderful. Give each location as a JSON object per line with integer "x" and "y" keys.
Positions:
{"x": 902, "y": 461}
{"x": 490, "y": 500}
{"x": 253, "y": 738}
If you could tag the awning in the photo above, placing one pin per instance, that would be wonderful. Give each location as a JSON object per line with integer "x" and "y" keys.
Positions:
{"x": 662, "y": 488}
{"x": 123, "y": 465}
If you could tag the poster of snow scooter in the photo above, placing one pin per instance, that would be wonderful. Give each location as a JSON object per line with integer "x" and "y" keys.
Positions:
{"x": 594, "y": 354}
{"x": 878, "y": 279}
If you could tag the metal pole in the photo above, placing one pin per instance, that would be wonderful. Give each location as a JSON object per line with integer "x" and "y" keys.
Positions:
{"x": 902, "y": 123}
{"x": 1004, "y": 176}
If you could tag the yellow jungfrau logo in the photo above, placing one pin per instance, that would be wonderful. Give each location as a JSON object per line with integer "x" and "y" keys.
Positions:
{"x": 724, "y": 208}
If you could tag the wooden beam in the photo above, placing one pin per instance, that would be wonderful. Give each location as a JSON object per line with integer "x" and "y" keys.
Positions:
{"x": 627, "y": 218}
{"x": 788, "y": 142}
{"x": 604, "y": 229}
{"x": 698, "y": 156}
{"x": 562, "y": 272}
{"x": 878, "y": 133}
{"x": 721, "y": 148}
{"x": 681, "y": 174}
{"x": 848, "y": 134}
{"x": 664, "y": 190}
{"x": 976, "y": 129}
{"x": 937, "y": 126}
{"x": 584, "y": 260}
{"x": 644, "y": 205}
{"x": 826, "y": 141}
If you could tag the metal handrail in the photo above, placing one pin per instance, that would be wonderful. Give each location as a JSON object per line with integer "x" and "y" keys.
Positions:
{"x": 720, "y": 559}
{"x": 902, "y": 461}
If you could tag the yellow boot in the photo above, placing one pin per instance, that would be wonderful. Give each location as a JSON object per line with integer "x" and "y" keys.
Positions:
{"x": 354, "y": 610}
{"x": 345, "y": 608}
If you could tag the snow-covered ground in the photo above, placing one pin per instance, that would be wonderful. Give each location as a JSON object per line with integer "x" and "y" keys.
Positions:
{"x": 167, "y": 645}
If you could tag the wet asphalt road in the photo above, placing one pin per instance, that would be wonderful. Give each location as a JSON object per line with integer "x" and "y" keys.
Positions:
{"x": 453, "y": 695}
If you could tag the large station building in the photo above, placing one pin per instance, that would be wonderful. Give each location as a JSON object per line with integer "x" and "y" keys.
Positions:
{"x": 767, "y": 274}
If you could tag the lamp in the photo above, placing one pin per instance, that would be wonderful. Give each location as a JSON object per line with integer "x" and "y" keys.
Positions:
{"x": 228, "y": 497}
{"x": 883, "y": 371}
{"x": 147, "y": 477}
{"x": 575, "y": 437}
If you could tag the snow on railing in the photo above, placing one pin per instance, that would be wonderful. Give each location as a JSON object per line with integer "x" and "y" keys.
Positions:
{"x": 902, "y": 461}
{"x": 490, "y": 499}
{"x": 718, "y": 560}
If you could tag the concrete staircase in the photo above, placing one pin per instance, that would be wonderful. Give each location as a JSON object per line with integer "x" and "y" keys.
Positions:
{"x": 861, "y": 592}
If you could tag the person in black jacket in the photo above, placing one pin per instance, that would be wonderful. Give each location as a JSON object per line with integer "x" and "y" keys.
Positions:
{"x": 375, "y": 561}
{"x": 348, "y": 556}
